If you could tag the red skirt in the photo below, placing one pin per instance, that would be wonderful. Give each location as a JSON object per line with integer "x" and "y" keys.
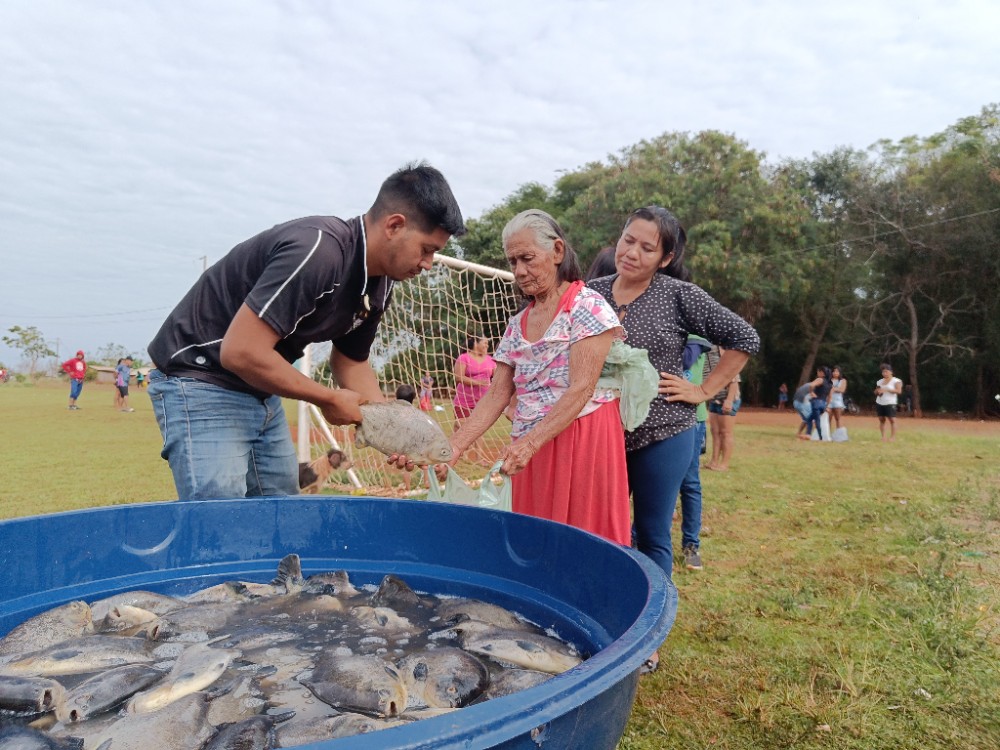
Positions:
{"x": 580, "y": 478}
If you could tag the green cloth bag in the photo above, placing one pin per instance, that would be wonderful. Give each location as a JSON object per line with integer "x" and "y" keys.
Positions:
{"x": 629, "y": 371}
{"x": 456, "y": 491}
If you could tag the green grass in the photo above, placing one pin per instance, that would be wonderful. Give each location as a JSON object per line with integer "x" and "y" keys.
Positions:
{"x": 849, "y": 597}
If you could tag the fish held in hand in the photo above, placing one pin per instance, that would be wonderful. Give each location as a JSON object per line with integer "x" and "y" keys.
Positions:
{"x": 398, "y": 427}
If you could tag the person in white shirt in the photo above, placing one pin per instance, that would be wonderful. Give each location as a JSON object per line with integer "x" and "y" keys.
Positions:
{"x": 887, "y": 392}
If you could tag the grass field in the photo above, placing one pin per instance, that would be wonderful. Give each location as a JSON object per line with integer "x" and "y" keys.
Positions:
{"x": 850, "y": 596}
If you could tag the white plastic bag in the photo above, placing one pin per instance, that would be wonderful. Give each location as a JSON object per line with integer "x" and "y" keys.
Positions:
{"x": 840, "y": 435}
{"x": 456, "y": 491}
{"x": 629, "y": 371}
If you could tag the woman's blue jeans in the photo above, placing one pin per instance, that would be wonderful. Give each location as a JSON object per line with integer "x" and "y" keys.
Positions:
{"x": 691, "y": 493}
{"x": 655, "y": 474}
{"x": 222, "y": 443}
{"x": 818, "y": 407}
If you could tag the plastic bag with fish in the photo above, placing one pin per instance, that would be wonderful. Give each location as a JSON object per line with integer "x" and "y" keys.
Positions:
{"x": 398, "y": 427}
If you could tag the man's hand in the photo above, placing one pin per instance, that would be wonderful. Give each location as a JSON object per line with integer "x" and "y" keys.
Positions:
{"x": 342, "y": 407}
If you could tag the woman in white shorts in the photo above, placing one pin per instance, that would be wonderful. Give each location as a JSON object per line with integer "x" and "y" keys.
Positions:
{"x": 837, "y": 395}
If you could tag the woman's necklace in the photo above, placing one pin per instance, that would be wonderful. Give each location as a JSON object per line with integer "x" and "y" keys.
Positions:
{"x": 622, "y": 309}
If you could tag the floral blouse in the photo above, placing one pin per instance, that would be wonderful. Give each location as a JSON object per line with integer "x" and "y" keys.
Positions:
{"x": 541, "y": 368}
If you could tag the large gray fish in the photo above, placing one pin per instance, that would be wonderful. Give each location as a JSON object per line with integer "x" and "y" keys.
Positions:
{"x": 346, "y": 724}
{"x": 27, "y": 696}
{"x": 444, "y": 677}
{"x": 394, "y": 592}
{"x": 82, "y": 655}
{"x": 383, "y": 621}
{"x": 288, "y": 580}
{"x": 195, "y": 669}
{"x": 105, "y": 690}
{"x": 125, "y": 619}
{"x": 334, "y": 582}
{"x": 159, "y": 604}
{"x": 454, "y": 611}
{"x": 255, "y": 733}
{"x": 516, "y": 648}
{"x": 16, "y": 737}
{"x": 47, "y": 629}
{"x": 399, "y": 427}
{"x": 514, "y": 681}
{"x": 178, "y": 726}
{"x": 368, "y": 684}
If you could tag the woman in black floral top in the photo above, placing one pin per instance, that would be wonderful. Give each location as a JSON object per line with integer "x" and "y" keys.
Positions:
{"x": 658, "y": 311}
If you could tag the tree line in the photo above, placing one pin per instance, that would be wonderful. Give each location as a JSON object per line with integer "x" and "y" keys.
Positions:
{"x": 851, "y": 257}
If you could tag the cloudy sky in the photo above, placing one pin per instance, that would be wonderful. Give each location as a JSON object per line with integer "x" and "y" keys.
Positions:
{"x": 140, "y": 138}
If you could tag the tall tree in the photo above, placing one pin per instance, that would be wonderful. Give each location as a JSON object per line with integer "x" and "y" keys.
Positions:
{"x": 31, "y": 344}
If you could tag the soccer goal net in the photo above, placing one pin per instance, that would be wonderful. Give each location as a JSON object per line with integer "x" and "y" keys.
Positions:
{"x": 422, "y": 333}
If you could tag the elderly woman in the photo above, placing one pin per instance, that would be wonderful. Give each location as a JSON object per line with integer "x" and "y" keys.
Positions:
{"x": 567, "y": 457}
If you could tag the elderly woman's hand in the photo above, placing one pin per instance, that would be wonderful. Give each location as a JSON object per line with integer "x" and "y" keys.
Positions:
{"x": 676, "y": 388}
{"x": 517, "y": 455}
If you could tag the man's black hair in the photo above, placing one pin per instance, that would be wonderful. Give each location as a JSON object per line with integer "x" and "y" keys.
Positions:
{"x": 422, "y": 195}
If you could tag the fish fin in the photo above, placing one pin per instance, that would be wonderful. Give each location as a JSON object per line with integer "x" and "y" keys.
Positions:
{"x": 289, "y": 573}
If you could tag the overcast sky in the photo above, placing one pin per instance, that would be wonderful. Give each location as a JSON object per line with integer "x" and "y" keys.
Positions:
{"x": 139, "y": 137}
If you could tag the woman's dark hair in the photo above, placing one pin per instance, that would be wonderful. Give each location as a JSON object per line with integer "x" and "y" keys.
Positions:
{"x": 471, "y": 340}
{"x": 673, "y": 238}
{"x": 603, "y": 264}
{"x": 546, "y": 231}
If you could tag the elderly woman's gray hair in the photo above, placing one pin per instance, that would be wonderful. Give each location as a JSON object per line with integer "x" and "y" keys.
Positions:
{"x": 545, "y": 231}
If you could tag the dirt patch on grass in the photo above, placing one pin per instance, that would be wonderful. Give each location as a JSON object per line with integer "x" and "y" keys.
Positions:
{"x": 788, "y": 418}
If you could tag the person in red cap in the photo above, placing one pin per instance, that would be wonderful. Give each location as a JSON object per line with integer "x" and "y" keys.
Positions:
{"x": 76, "y": 368}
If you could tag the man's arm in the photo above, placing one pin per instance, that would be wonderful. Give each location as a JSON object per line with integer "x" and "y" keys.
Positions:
{"x": 356, "y": 376}
{"x": 248, "y": 351}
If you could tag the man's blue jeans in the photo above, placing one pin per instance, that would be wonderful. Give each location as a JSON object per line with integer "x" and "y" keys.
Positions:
{"x": 691, "y": 493}
{"x": 818, "y": 407}
{"x": 222, "y": 443}
{"x": 654, "y": 475}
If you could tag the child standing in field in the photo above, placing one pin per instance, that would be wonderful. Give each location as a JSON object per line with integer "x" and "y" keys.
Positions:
{"x": 887, "y": 392}
{"x": 426, "y": 386}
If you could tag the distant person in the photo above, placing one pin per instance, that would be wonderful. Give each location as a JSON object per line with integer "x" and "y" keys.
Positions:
{"x": 887, "y": 390}
{"x": 123, "y": 374}
{"x": 690, "y": 495}
{"x": 3, "y": 375}
{"x": 223, "y": 358}
{"x": 722, "y": 410}
{"x": 801, "y": 403}
{"x": 426, "y": 391}
{"x": 819, "y": 399}
{"x": 782, "y": 396}
{"x": 473, "y": 370}
{"x": 603, "y": 264}
{"x": 838, "y": 388}
{"x": 76, "y": 368}
{"x": 908, "y": 398}
{"x": 140, "y": 379}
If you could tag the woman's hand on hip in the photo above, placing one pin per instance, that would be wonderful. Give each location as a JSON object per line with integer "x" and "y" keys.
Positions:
{"x": 676, "y": 388}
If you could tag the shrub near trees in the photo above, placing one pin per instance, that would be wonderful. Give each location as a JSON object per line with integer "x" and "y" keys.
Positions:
{"x": 849, "y": 257}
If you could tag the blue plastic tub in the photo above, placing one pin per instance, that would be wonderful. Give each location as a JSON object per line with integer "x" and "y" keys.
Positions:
{"x": 608, "y": 600}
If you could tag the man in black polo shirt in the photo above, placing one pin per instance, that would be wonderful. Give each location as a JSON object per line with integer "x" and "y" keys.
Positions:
{"x": 224, "y": 355}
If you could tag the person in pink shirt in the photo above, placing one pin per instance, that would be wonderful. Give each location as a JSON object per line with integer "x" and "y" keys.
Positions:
{"x": 474, "y": 370}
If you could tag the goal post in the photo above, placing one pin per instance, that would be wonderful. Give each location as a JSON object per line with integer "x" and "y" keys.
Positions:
{"x": 421, "y": 334}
